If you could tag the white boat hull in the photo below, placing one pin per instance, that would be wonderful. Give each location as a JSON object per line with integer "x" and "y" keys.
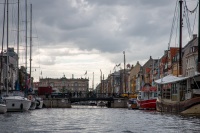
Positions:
{"x": 3, "y": 108}
{"x": 17, "y": 103}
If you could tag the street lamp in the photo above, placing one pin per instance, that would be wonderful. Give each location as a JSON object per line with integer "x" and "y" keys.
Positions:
{"x": 101, "y": 81}
{"x": 124, "y": 72}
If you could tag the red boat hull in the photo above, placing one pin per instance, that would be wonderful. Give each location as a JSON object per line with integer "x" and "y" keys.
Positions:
{"x": 147, "y": 104}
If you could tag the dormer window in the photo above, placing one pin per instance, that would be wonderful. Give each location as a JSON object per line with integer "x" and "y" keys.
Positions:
{"x": 192, "y": 49}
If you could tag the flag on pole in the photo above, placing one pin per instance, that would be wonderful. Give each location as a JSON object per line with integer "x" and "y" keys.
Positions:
{"x": 118, "y": 65}
{"x": 85, "y": 73}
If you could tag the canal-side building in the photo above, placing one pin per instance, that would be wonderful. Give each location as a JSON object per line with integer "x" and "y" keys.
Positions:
{"x": 98, "y": 89}
{"x": 66, "y": 84}
{"x": 175, "y": 64}
{"x": 149, "y": 71}
{"x": 190, "y": 57}
{"x": 169, "y": 62}
{"x": 12, "y": 69}
{"x": 173, "y": 61}
{"x": 163, "y": 69}
{"x": 114, "y": 82}
{"x": 109, "y": 85}
{"x": 14, "y": 73}
{"x": 135, "y": 78}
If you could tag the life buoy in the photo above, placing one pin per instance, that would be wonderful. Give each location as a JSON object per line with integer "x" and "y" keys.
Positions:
{"x": 30, "y": 97}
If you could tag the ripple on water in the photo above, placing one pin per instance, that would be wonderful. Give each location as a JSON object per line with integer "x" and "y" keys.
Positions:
{"x": 86, "y": 119}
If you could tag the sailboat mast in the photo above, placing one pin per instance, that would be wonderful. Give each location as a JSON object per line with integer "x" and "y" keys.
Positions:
{"x": 17, "y": 87}
{"x": 7, "y": 53}
{"x": 30, "y": 40}
{"x": 4, "y": 14}
{"x": 93, "y": 81}
{"x": 199, "y": 41}
{"x": 26, "y": 45}
{"x": 180, "y": 39}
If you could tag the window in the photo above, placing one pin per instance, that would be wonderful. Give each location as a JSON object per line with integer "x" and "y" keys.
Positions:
{"x": 75, "y": 84}
{"x": 174, "y": 89}
{"x": 192, "y": 49}
{"x": 155, "y": 94}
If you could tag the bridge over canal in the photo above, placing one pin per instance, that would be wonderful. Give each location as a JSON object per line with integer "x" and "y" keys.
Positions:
{"x": 79, "y": 99}
{"x": 66, "y": 101}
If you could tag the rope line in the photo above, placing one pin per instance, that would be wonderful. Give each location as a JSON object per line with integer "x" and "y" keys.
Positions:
{"x": 172, "y": 28}
{"x": 187, "y": 11}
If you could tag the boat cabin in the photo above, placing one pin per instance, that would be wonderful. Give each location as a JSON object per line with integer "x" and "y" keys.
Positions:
{"x": 147, "y": 92}
{"x": 178, "y": 88}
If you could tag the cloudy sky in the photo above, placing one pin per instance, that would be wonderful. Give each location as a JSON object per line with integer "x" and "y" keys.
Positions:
{"x": 75, "y": 36}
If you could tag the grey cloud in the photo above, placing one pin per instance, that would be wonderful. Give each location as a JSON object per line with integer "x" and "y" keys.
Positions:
{"x": 48, "y": 61}
{"x": 147, "y": 22}
{"x": 147, "y": 3}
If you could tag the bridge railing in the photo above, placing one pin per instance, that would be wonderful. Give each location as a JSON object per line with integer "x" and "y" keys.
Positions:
{"x": 83, "y": 95}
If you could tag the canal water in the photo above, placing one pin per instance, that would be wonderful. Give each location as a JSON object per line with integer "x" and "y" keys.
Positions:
{"x": 88, "y": 119}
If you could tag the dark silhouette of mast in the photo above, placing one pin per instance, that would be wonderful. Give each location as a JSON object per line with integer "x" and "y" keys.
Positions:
{"x": 26, "y": 89}
{"x": 7, "y": 53}
{"x": 4, "y": 14}
{"x": 17, "y": 85}
{"x": 30, "y": 41}
{"x": 180, "y": 39}
{"x": 199, "y": 41}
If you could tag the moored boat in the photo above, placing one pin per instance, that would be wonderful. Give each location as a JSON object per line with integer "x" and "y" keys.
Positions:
{"x": 180, "y": 92}
{"x": 132, "y": 103}
{"x": 146, "y": 98}
{"x": 179, "y": 95}
{"x": 92, "y": 103}
{"x": 17, "y": 103}
{"x": 101, "y": 103}
{"x": 3, "y": 108}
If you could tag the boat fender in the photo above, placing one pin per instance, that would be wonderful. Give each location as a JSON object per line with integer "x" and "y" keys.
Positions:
{"x": 21, "y": 106}
{"x": 30, "y": 97}
{"x": 38, "y": 102}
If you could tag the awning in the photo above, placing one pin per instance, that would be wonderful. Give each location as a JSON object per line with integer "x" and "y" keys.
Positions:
{"x": 169, "y": 79}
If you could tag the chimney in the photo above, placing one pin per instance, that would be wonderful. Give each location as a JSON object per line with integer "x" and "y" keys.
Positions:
{"x": 194, "y": 36}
